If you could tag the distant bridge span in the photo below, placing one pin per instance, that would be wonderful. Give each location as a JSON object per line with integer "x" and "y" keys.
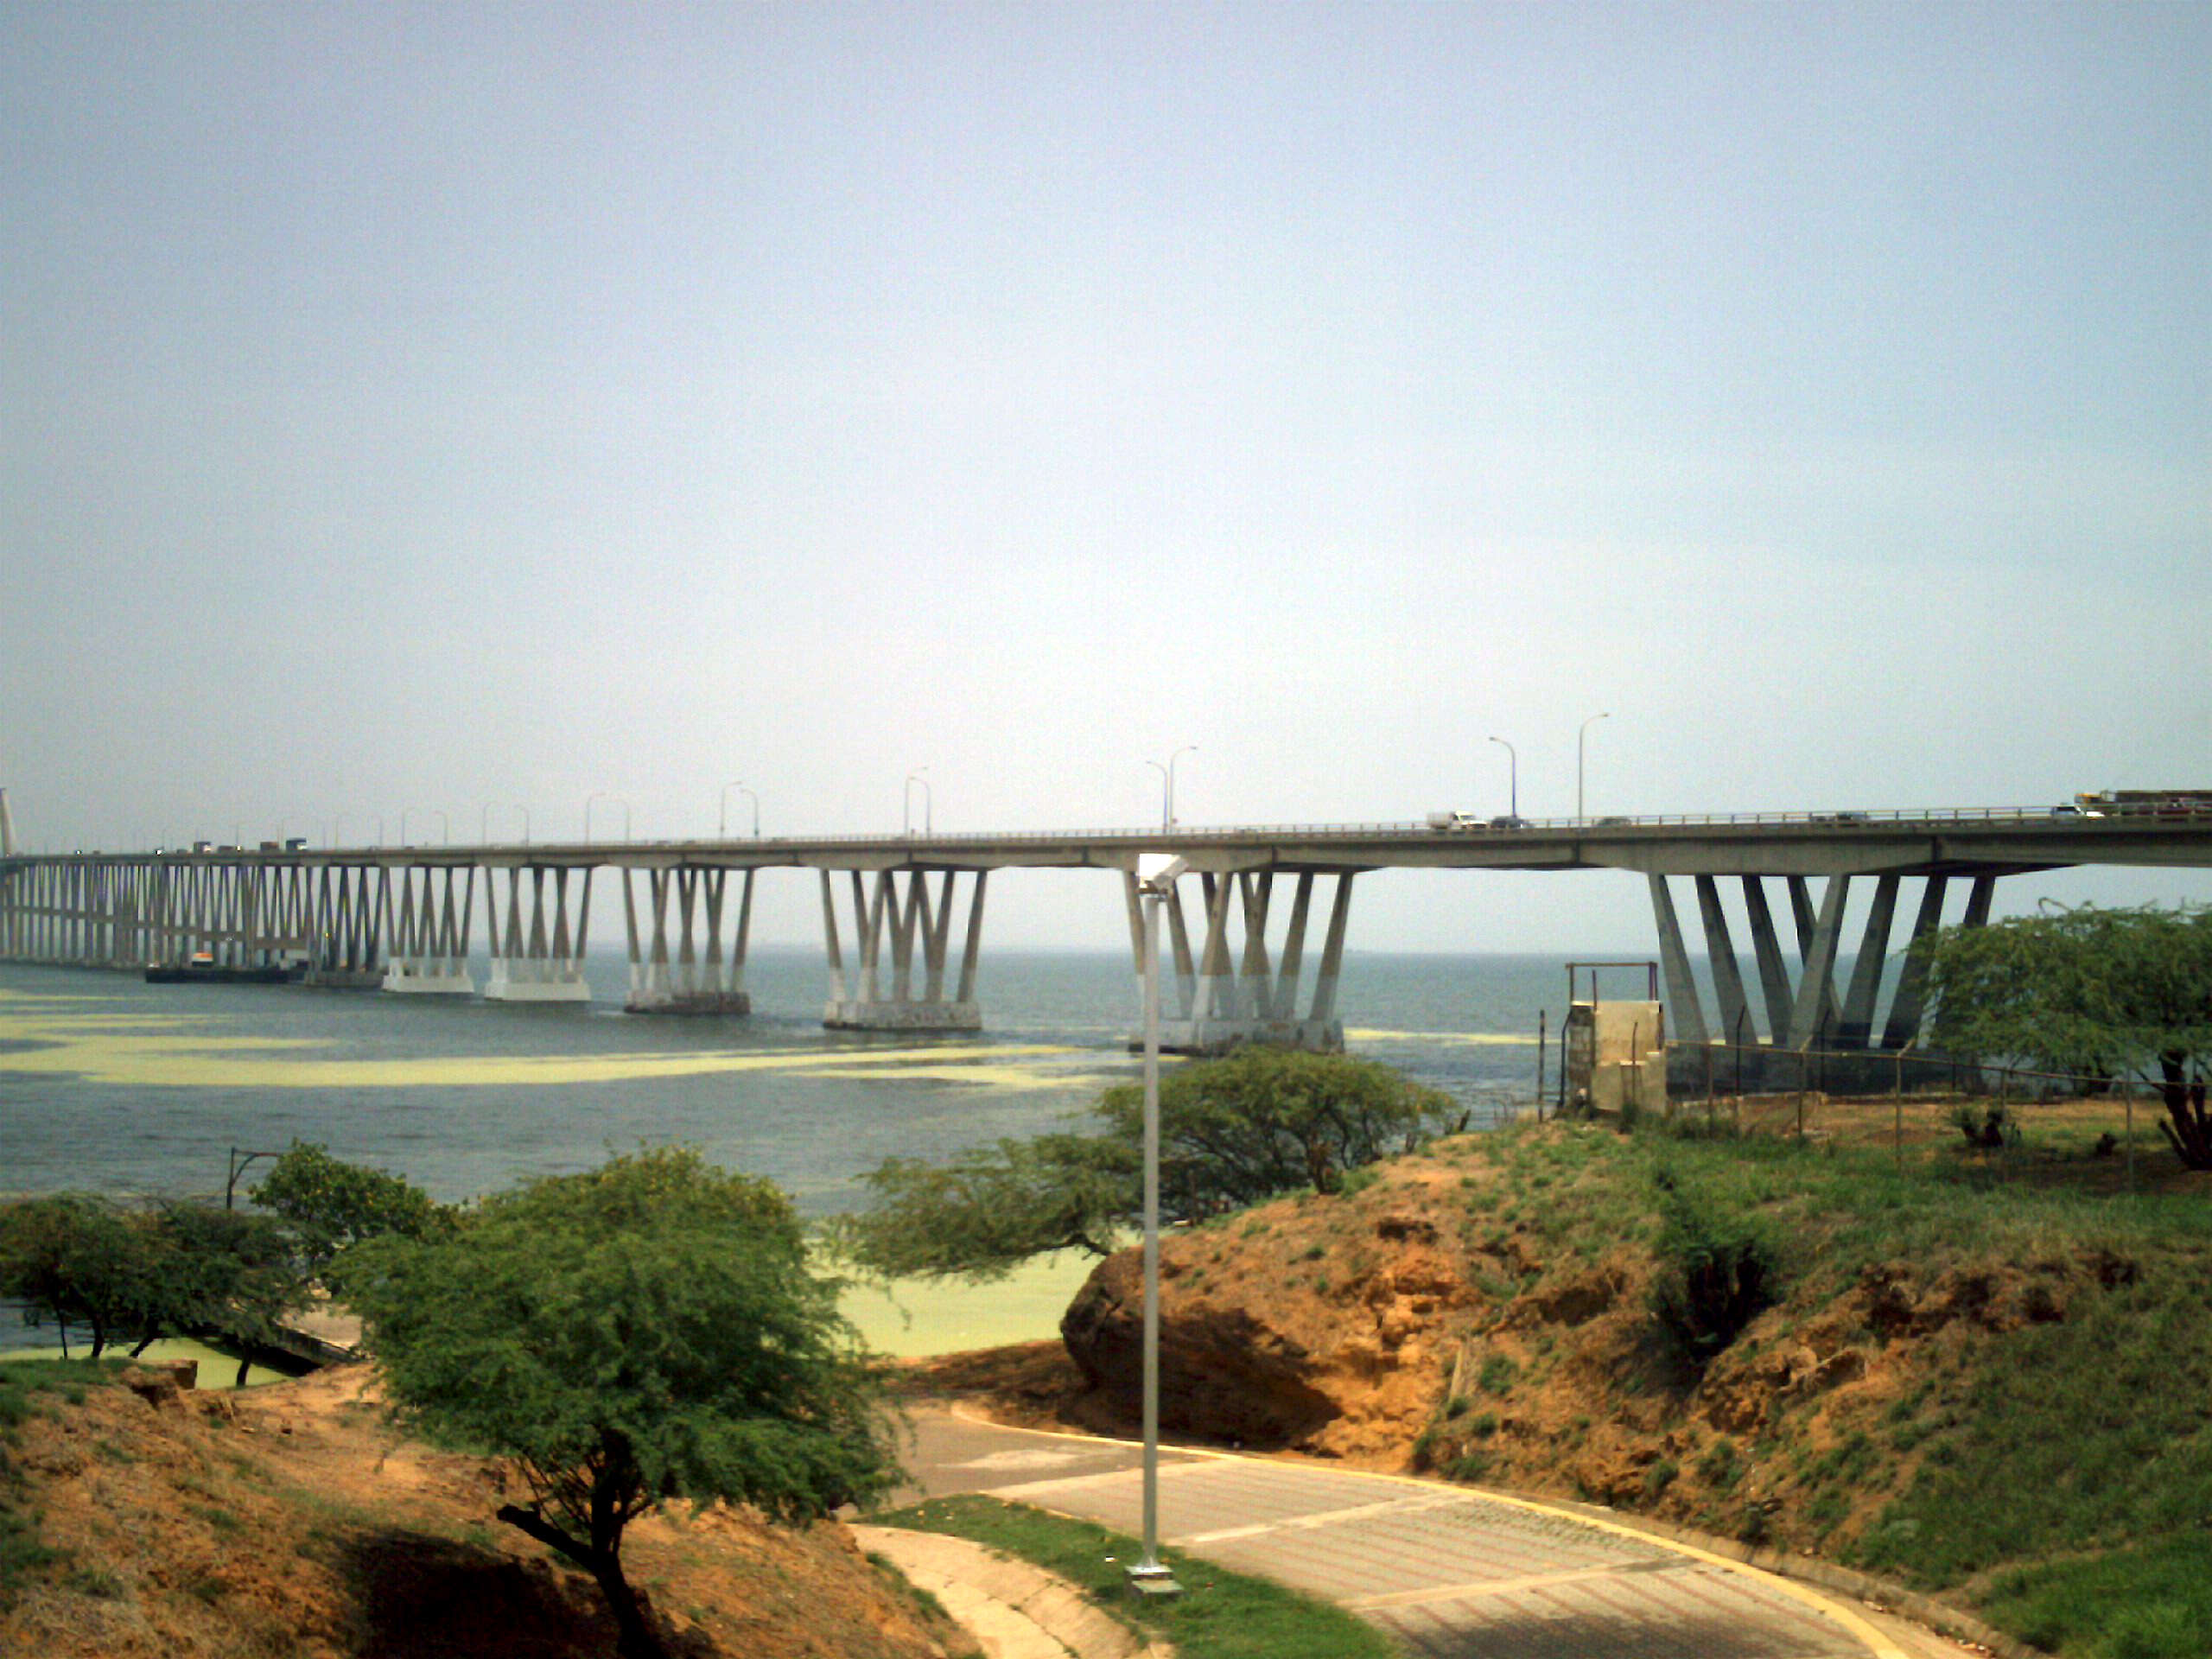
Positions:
{"x": 402, "y": 918}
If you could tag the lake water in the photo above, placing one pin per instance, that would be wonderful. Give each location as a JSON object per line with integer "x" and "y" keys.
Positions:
{"x": 110, "y": 1085}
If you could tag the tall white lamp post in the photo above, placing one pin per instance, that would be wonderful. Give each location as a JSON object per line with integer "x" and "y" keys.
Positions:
{"x": 1513, "y": 778}
{"x": 907, "y": 801}
{"x": 749, "y": 795}
{"x": 1167, "y": 777}
{"x": 1156, "y": 873}
{"x": 1579, "y": 740}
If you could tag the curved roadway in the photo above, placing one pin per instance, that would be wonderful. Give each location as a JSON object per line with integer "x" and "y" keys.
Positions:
{"x": 1449, "y": 1573}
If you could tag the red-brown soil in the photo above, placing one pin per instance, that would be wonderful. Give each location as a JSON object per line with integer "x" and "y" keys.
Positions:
{"x": 291, "y": 1520}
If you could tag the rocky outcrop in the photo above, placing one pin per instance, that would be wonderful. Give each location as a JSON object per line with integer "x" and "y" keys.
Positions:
{"x": 1225, "y": 1374}
{"x": 1343, "y": 1357}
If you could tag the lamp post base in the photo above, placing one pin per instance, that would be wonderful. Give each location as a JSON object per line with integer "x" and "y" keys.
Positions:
{"x": 1152, "y": 1584}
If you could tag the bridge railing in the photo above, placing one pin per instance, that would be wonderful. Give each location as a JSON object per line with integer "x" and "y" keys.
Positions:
{"x": 1846, "y": 819}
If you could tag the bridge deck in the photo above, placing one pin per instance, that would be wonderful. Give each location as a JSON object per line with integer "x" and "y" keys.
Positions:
{"x": 1913, "y": 842}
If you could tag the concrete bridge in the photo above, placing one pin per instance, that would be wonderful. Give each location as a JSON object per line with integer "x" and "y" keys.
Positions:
{"x": 402, "y": 919}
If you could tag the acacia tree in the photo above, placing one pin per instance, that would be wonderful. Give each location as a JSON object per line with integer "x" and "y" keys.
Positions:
{"x": 1233, "y": 1131}
{"x": 183, "y": 1269}
{"x": 78, "y": 1260}
{"x": 330, "y": 1205}
{"x": 643, "y": 1332}
{"x": 2095, "y": 993}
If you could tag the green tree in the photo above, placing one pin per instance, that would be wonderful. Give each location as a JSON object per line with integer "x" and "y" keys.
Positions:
{"x": 1233, "y": 1131}
{"x": 132, "y": 1276}
{"x": 2096, "y": 993}
{"x": 226, "y": 1275}
{"x": 643, "y": 1332}
{"x": 330, "y": 1204}
{"x": 78, "y": 1260}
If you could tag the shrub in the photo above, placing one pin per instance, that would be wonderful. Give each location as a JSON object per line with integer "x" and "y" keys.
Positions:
{"x": 1718, "y": 1272}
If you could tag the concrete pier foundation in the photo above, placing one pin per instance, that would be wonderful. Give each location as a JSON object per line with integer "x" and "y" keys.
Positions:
{"x": 690, "y": 979}
{"x": 1224, "y": 997}
{"x": 884, "y": 916}
{"x": 429, "y": 932}
{"x": 538, "y": 947}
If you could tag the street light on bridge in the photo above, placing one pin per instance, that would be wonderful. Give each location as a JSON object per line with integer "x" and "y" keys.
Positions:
{"x": 1578, "y": 737}
{"x": 1167, "y": 776}
{"x": 907, "y": 802}
{"x": 1513, "y": 775}
{"x": 724, "y": 819}
{"x": 605, "y": 795}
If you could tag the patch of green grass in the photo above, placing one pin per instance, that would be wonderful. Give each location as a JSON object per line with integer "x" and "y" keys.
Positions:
{"x": 1826, "y": 1511}
{"x": 100, "y": 1583}
{"x": 1220, "y": 1615}
{"x": 2075, "y": 1435}
{"x": 1472, "y": 1465}
{"x": 2148, "y": 1601}
{"x": 218, "y": 1518}
{"x": 1497, "y": 1376}
{"x": 1721, "y": 1465}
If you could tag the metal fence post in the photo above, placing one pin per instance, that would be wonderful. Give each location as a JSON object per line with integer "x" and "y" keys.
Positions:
{"x": 1542, "y": 1045}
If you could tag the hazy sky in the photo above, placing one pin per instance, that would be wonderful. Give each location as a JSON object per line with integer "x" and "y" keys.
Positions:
{"x": 428, "y": 408}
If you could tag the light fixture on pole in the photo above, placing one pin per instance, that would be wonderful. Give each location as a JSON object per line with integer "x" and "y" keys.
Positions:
{"x": 1156, "y": 874}
{"x": 907, "y": 802}
{"x": 749, "y": 795}
{"x": 1579, "y": 744}
{"x": 1167, "y": 777}
{"x": 1513, "y": 763}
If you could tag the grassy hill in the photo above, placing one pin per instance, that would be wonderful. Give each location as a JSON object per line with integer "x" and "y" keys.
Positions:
{"x": 1985, "y": 1373}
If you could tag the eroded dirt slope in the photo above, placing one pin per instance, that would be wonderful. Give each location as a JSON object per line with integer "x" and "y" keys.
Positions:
{"x": 289, "y": 1521}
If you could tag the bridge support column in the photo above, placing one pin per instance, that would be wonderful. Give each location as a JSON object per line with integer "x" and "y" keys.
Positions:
{"x": 540, "y": 960}
{"x": 345, "y": 926}
{"x": 690, "y": 983}
{"x": 1684, "y": 1010}
{"x": 1802, "y": 1008}
{"x": 884, "y": 916}
{"x": 1225, "y": 998}
{"x": 429, "y": 932}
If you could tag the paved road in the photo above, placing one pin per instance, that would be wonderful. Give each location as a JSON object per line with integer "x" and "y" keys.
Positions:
{"x": 1450, "y": 1573}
